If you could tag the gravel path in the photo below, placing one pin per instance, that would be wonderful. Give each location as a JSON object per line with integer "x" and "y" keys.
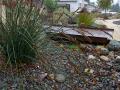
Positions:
{"x": 110, "y": 24}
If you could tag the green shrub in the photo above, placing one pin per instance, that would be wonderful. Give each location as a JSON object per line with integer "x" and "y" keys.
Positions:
{"x": 21, "y": 32}
{"x": 85, "y": 19}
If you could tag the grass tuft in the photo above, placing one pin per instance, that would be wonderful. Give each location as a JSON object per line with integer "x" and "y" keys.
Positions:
{"x": 21, "y": 32}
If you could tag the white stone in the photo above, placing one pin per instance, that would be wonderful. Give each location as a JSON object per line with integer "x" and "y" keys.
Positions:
{"x": 118, "y": 58}
{"x": 91, "y": 57}
{"x": 91, "y": 71}
{"x": 105, "y": 58}
{"x": 86, "y": 70}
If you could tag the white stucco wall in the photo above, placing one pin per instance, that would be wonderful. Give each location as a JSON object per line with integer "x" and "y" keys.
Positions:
{"x": 90, "y": 8}
{"x": 73, "y": 5}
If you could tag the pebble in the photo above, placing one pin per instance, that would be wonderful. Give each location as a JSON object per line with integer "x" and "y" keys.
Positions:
{"x": 117, "y": 61}
{"x": 118, "y": 80}
{"x": 42, "y": 76}
{"x": 90, "y": 71}
{"x": 51, "y": 76}
{"x": 111, "y": 54}
{"x": 60, "y": 78}
{"x": 91, "y": 57}
{"x": 98, "y": 49}
{"x": 105, "y": 58}
{"x": 118, "y": 58}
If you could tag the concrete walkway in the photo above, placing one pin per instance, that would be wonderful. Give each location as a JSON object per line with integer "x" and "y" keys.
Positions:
{"x": 109, "y": 24}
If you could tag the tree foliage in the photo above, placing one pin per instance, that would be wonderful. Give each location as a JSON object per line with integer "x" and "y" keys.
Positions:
{"x": 115, "y": 8}
{"x": 105, "y": 4}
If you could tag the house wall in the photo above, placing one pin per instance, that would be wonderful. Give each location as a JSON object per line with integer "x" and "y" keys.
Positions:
{"x": 90, "y": 8}
{"x": 74, "y": 4}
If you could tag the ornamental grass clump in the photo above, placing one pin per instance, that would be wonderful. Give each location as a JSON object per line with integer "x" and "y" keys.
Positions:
{"x": 85, "y": 18}
{"x": 21, "y": 32}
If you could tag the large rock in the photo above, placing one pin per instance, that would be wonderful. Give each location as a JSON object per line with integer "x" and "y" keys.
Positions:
{"x": 114, "y": 45}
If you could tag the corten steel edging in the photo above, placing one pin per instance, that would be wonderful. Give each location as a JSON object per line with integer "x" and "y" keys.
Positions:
{"x": 84, "y": 35}
{"x": 83, "y": 39}
{"x": 92, "y": 40}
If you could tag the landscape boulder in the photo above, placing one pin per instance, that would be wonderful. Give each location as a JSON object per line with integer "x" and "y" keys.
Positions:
{"x": 114, "y": 45}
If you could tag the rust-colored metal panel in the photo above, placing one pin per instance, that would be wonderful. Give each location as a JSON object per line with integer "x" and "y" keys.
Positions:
{"x": 85, "y": 34}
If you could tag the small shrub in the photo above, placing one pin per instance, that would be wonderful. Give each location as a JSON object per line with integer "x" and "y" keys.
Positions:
{"x": 21, "y": 32}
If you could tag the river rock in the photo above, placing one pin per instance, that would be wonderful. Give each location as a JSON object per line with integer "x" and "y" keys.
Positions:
{"x": 91, "y": 57}
{"x": 105, "y": 58}
{"x": 117, "y": 61}
{"x": 111, "y": 54}
{"x": 104, "y": 51}
{"x": 60, "y": 78}
{"x": 51, "y": 77}
{"x": 118, "y": 58}
{"x": 114, "y": 45}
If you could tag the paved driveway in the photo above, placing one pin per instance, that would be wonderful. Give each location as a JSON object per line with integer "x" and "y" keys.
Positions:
{"x": 109, "y": 24}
